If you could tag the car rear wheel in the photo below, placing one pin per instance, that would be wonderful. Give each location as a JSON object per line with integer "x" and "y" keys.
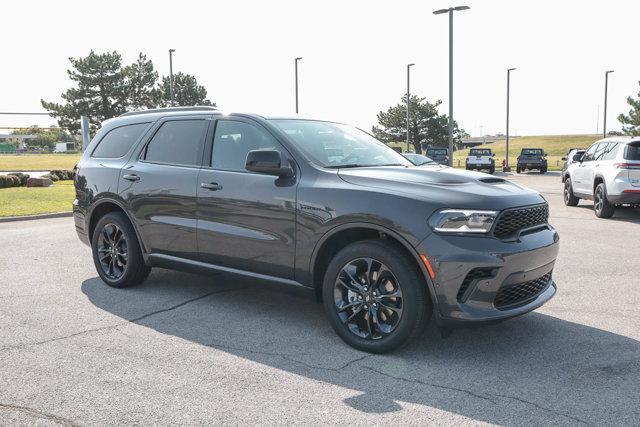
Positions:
{"x": 492, "y": 170}
{"x": 518, "y": 169}
{"x": 116, "y": 252}
{"x": 601, "y": 206}
{"x": 375, "y": 296}
{"x": 569, "y": 198}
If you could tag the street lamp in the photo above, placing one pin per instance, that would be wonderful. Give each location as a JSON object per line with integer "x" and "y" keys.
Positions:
{"x": 296, "y": 62}
{"x": 450, "y": 11}
{"x": 606, "y": 84}
{"x": 408, "y": 97}
{"x": 171, "y": 75}
{"x": 506, "y": 162}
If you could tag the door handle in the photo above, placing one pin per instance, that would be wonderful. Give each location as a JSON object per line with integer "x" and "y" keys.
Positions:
{"x": 213, "y": 186}
{"x": 131, "y": 177}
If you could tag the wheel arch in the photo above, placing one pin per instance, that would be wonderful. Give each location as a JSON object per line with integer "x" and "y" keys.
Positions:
{"x": 104, "y": 207}
{"x": 339, "y": 237}
{"x": 598, "y": 179}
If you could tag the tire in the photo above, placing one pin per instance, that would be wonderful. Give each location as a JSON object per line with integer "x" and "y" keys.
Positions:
{"x": 355, "y": 324}
{"x": 601, "y": 206}
{"x": 518, "y": 169}
{"x": 569, "y": 198}
{"x": 542, "y": 171}
{"x": 116, "y": 252}
{"x": 492, "y": 170}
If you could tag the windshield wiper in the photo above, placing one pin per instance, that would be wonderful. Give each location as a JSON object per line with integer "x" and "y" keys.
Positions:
{"x": 356, "y": 165}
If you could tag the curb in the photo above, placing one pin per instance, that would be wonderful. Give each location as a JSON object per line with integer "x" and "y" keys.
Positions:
{"x": 40, "y": 216}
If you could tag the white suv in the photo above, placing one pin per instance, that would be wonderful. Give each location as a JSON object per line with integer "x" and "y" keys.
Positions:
{"x": 608, "y": 174}
{"x": 481, "y": 158}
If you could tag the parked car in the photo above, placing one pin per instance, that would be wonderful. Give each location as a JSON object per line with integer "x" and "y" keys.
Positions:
{"x": 481, "y": 158}
{"x": 574, "y": 155}
{"x": 608, "y": 173}
{"x": 419, "y": 159}
{"x": 532, "y": 158}
{"x": 384, "y": 244}
{"x": 440, "y": 155}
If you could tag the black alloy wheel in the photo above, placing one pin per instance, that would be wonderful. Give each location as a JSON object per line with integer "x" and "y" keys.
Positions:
{"x": 368, "y": 298}
{"x": 601, "y": 206}
{"x": 112, "y": 251}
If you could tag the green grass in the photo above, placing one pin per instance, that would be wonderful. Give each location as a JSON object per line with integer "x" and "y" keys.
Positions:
{"x": 40, "y": 162}
{"x": 19, "y": 201}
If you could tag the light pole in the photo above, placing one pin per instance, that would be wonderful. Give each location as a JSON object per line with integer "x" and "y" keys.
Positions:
{"x": 606, "y": 84}
{"x": 296, "y": 62}
{"x": 408, "y": 97}
{"x": 450, "y": 11}
{"x": 171, "y": 75}
{"x": 506, "y": 162}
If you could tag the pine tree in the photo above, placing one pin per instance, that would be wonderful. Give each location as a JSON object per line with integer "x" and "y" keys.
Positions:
{"x": 631, "y": 123}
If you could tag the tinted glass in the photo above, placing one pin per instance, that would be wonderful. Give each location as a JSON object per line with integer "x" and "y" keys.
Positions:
{"x": 117, "y": 142}
{"x": 335, "y": 145}
{"x": 437, "y": 151}
{"x": 480, "y": 152}
{"x": 632, "y": 152}
{"x": 178, "y": 143}
{"x": 531, "y": 152}
{"x": 233, "y": 141}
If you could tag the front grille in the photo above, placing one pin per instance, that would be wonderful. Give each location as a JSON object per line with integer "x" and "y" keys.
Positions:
{"x": 474, "y": 275}
{"x": 511, "y": 295}
{"x": 517, "y": 219}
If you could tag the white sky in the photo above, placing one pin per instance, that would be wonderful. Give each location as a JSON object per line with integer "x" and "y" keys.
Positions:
{"x": 354, "y": 55}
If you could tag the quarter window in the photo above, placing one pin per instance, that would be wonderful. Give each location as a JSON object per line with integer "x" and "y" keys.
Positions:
{"x": 232, "y": 142}
{"x": 117, "y": 142}
{"x": 611, "y": 151}
{"x": 177, "y": 142}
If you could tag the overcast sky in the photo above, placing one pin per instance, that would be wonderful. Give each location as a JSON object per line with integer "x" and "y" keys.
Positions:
{"x": 354, "y": 55}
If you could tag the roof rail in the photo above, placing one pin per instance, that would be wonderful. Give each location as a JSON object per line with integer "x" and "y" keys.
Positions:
{"x": 170, "y": 109}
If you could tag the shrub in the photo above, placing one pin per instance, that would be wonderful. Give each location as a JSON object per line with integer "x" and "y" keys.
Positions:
{"x": 23, "y": 177}
{"x": 7, "y": 181}
{"x": 52, "y": 176}
{"x": 63, "y": 174}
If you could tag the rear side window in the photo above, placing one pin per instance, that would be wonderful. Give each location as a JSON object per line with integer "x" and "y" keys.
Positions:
{"x": 117, "y": 142}
{"x": 177, "y": 142}
{"x": 611, "y": 151}
{"x": 632, "y": 151}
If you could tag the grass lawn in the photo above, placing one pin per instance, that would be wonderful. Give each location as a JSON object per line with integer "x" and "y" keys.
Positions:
{"x": 39, "y": 162}
{"x": 556, "y": 146}
{"x": 18, "y": 201}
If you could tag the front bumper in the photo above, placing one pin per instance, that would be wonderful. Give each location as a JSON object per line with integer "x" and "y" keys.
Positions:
{"x": 513, "y": 263}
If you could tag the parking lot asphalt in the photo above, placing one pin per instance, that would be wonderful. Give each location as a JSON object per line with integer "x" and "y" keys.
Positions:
{"x": 187, "y": 349}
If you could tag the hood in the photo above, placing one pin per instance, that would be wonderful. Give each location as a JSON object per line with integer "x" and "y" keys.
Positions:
{"x": 444, "y": 187}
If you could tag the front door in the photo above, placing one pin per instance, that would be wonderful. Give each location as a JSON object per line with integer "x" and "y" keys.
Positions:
{"x": 580, "y": 177}
{"x": 246, "y": 220}
{"x": 159, "y": 186}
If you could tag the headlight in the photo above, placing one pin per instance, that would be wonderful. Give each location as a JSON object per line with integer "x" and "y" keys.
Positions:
{"x": 462, "y": 221}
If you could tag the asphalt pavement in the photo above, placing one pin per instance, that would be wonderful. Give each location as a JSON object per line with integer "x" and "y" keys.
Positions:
{"x": 188, "y": 349}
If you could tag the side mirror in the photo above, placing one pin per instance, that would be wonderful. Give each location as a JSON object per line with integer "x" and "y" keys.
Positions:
{"x": 545, "y": 154}
{"x": 564, "y": 159}
{"x": 493, "y": 154}
{"x": 268, "y": 162}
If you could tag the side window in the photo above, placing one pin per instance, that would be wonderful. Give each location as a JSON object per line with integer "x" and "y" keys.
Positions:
{"x": 117, "y": 142}
{"x": 177, "y": 142}
{"x": 233, "y": 140}
{"x": 611, "y": 151}
{"x": 601, "y": 150}
{"x": 590, "y": 154}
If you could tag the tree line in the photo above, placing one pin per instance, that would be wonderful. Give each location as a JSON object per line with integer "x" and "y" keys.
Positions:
{"x": 104, "y": 89}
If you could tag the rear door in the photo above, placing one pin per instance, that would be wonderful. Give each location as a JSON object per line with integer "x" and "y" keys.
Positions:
{"x": 246, "y": 220}
{"x": 159, "y": 185}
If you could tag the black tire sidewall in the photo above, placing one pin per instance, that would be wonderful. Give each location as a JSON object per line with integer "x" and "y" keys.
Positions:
{"x": 133, "y": 249}
{"x": 416, "y": 305}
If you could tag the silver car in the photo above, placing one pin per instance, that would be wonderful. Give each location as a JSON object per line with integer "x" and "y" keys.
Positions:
{"x": 608, "y": 173}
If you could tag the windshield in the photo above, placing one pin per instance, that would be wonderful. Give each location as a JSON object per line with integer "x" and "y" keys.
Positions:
{"x": 480, "y": 152}
{"x": 418, "y": 159}
{"x": 532, "y": 152}
{"x": 334, "y": 145}
{"x": 437, "y": 151}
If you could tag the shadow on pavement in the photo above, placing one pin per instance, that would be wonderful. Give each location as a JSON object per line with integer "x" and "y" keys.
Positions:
{"x": 533, "y": 369}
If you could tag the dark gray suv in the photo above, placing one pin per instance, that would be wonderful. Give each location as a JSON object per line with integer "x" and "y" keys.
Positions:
{"x": 384, "y": 244}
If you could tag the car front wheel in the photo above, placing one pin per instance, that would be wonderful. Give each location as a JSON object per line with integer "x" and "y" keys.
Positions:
{"x": 116, "y": 252}
{"x": 375, "y": 296}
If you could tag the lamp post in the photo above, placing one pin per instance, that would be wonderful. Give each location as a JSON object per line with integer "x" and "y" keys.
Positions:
{"x": 606, "y": 84}
{"x": 296, "y": 64}
{"x": 506, "y": 162}
{"x": 408, "y": 98}
{"x": 171, "y": 75}
{"x": 450, "y": 12}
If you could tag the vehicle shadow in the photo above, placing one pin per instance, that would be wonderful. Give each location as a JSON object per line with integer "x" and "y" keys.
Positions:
{"x": 535, "y": 369}
{"x": 622, "y": 213}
